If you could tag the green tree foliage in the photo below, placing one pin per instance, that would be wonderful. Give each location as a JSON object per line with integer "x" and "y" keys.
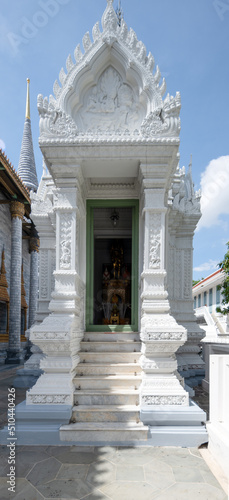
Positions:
{"x": 194, "y": 282}
{"x": 225, "y": 285}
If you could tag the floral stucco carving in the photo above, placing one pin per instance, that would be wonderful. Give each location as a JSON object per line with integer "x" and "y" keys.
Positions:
{"x": 114, "y": 105}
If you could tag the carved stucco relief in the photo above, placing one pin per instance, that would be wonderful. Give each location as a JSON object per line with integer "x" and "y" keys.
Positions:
{"x": 154, "y": 241}
{"x": 43, "y": 274}
{"x": 53, "y": 267}
{"x": 65, "y": 241}
{"x": 164, "y": 400}
{"x": 109, "y": 106}
{"x": 171, "y": 274}
{"x": 49, "y": 399}
{"x": 178, "y": 274}
{"x": 187, "y": 274}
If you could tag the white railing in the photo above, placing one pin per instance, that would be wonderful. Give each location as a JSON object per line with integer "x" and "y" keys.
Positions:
{"x": 218, "y": 426}
{"x": 219, "y": 325}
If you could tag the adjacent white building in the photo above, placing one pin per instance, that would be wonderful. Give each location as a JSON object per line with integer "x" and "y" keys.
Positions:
{"x": 207, "y": 292}
{"x": 207, "y": 298}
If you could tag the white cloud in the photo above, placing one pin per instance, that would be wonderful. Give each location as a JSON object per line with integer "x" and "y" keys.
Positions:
{"x": 2, "y": 144}
{"x": 215, "y": 189}
{"x": 211, "y": 265}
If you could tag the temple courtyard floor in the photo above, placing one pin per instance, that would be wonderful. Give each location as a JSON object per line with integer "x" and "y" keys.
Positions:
{"x": 100, "y": 473}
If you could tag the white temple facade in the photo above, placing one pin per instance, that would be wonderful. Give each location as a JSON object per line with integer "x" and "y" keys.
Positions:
{"x": 116, "y": 217}
{"x": 207, "y": 298}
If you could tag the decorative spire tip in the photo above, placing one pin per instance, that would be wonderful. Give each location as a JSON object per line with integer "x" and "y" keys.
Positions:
{"x": 119, "y": 14}
{"x": 27, "y": 111}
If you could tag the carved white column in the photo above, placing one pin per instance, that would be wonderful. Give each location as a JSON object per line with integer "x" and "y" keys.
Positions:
{"x": 183, "y": 217}
{"x": 14, "y": 351}
{"x": 59, "y": 335}
{"x": 160, "y": 334}
{"x": 191, "y": 365}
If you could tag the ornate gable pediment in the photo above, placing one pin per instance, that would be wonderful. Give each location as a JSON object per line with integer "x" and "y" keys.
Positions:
{"x": 110, "y": 106}
{"x": 110, "y": 90}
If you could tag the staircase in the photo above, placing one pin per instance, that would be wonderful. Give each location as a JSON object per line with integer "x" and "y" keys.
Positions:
{"x": 106, "y": 398}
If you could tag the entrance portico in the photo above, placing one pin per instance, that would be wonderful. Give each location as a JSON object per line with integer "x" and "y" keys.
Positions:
{"x": 111, "y": 146}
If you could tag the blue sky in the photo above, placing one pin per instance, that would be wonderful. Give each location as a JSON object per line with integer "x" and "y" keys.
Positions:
{"x": 189, "y": 41}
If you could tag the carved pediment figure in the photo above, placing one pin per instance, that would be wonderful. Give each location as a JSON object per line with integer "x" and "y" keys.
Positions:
{"x": 109, "y": 106}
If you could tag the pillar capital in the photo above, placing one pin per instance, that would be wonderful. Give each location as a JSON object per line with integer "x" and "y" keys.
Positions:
{"x": 34, "y": 244}
{"x": 17, "y": 209}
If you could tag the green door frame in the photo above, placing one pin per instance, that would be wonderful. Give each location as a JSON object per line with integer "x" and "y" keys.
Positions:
{"x": 91, "y": 204}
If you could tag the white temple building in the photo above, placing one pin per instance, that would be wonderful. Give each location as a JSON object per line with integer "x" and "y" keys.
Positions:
{"x": 116, "y": 217}
{"x": 207, "y": 298}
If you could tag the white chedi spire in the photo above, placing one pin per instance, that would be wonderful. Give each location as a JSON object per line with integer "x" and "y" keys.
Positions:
{"x": 27, "y": 167}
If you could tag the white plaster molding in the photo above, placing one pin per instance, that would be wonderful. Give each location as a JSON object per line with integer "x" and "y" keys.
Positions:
{"x": 49, "y": 399}
{"x": 154, "y": 241}
{"x": 65, "y": 240}
{"x": 140, "y": 107}
{"x": 158, "y": 365}
{"x": 164, "y": 400}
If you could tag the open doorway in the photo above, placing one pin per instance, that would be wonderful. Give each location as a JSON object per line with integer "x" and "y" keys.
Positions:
{"x": 112, "y": 265}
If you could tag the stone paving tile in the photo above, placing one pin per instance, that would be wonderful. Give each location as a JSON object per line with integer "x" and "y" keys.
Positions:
{"x": 25, "y": 461}
{"x": 97, "y": 495}
{"x": 180, "y": 457}
{"x": 106, "y": 452}
{"x": 4, "y": 454}
{"x": 209, "y": 478}
{"x": 44, "y": 471}
{"x": 4, "y": 469}
{"x": 23, "y": 491}
{"x": 130, "y": 473}
{"x": 191, "y": 491}
{"x": 65, "y": 489}
{"x": 53, "y": 450}
{"x": 68, "y": 455}
{"x": 156, "y": 465}
{"x": 187, "y": 475}
{"x": 33, "y": 448}
{"x": 110, "y": 473}
{"x": 120, "y": 490}
{"x": 131, "y": 456}
{"x": 101, "y": 473}
{"x": 68, "y": 471}
{"x": 159, "y": 475}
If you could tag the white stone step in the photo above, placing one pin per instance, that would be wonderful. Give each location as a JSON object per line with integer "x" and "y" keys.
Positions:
{"x": 106, "y": 397}
{"x": 118, "y": 346}
{"x": 83, "y": 369}
{"x": 112, "y": 413}
{"x": 111, "y": 336}
{"x": 83, "y": 432}
{"x": 109, "y": 357}
{"x": 107, "y": 382}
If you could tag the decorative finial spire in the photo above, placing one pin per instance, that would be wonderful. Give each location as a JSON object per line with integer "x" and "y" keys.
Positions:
{"x": 119, "y": 13}
{"x": 27, "y": 111}
{"x": 109, "y": 18}
{"x": 27, "y": 168}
